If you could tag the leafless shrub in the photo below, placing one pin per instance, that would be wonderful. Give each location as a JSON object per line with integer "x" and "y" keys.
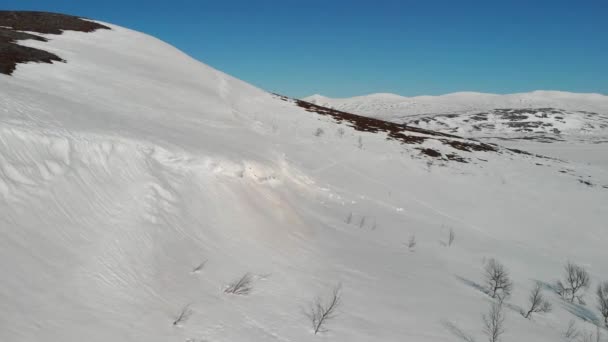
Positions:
{"x": 572, "y": 333}
{"x": 576, "y": 280}
{"x": 322, "y": 311}
{"x": 411, "y": 244}
{"x": 362, "y": 222}
{"x": 602, "y": 300}
{"x": 319, "y": 132}
{"x": 538, "y": 302}
{"x": 494, "y": 322}
{"x": 200, "y": 266}
{"x": 242, "y": 286}
{"x": 340, "y": 132}
{"x": 451, "y": 237}
{"x": 349, "y": 218}
{"x": 360, "y": 143}
{"x": 183, "y": 315}
{"x": 498, "y": 283}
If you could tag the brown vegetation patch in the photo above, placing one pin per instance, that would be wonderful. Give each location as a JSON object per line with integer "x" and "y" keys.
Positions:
{"x": 430, "y": 152}
{"x": 44, "y": 22}
{"x": 12, "y": 22}
{"x": 470, "y": 146}
{"x": 457, "y": 158}
{"x": 366, "y": 124}
{"x": 400, "y": 132}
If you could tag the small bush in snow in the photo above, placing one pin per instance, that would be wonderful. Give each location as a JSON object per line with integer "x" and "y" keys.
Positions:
{"x": 411, "y": 244}
{"x": 242, "y": 286}
{"x": 498, "y": 283}
{"x": 572, "y": 332}
{"x": 537, "y": 302}
{"x": 183, "y": 315}
{"x": 349, "y": 218}
{"x": 494, "y": 322}
{"x": 360, "y": 143}
{"x": 340, "y": 132}
{"x": 451, "y": 237}
{"x": 319, "y": 132}
{"x": 322, "y": 311}
{"x": 576, "y": 281}
{"x": 602, "y": 300}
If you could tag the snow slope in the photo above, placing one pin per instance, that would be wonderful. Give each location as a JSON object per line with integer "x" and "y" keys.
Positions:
{"x": 391, "y": 106}
{"x": 129, "y": 166}
{"x": 563, "y": 125}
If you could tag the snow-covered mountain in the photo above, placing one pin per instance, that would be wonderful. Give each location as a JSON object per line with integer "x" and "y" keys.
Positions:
{"x": 137, "y": 184}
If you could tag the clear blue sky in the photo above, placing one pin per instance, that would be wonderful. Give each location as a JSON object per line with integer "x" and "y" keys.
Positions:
{"x": 347, "y": 48}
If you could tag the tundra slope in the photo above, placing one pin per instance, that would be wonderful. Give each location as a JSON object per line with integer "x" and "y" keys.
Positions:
{"x": 136, "y": 184}
{"x": 564, "y": 125}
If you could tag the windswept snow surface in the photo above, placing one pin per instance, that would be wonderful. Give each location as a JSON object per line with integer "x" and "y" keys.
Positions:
{"x": 126, "y": 168}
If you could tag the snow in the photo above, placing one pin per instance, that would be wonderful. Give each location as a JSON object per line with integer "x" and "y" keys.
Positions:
{"x": 127, "y": 167}
{"x": 391, "y": 106}
{"x": 569, "y": 126}
{"x": 403, "y": 109}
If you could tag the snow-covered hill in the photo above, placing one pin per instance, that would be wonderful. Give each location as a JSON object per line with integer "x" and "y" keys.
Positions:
{"x": 396, "y": 107}
{"x": 564, "y": 125}
{"x": 137, "y": 184}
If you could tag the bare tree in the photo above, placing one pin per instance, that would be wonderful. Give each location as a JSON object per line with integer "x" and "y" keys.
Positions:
{"x": 498, "y": 283}
{"x": 322, "y": 311}
{"x": 242, "y": 286}
{"x": 451, "y": 237}
{"x": 576, "y": 280}
{"x": 183, "y": 315}
{"x": 572, "y": 332}
{"x": 349, "y": 218}
{"x": 494, "y": 322}
{"x": 602, "y": 300}
{"x": 538, "y": 302}
{"x": 411, "y": 244}
{"x": 360, "y": 142}
{"x": 362, "y": 222}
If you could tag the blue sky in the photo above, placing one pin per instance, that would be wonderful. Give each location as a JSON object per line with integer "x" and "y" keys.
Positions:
{"x": 347, "y": 48}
